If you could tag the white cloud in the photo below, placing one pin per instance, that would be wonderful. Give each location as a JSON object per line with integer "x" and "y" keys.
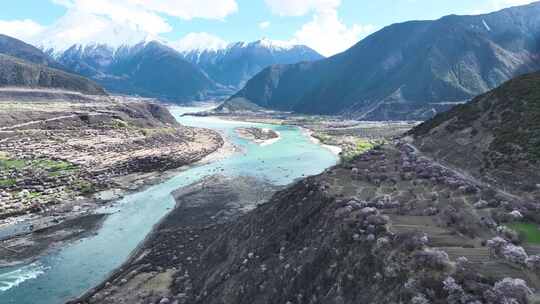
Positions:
{"x": 325, "y": 32}
{"x": 184, "y": 9}
{"x": 300, "y": 7}
{"x": 328, "y": 35}
{"x": 507, "y": 3}
{"x": 115, "y": 22}
{"x": 197, "y": 41}
{"x": 21, "y": 29}
{"x": 79, "y": 27}
{"x": 140, "y": 15}
{"x": 66, "y": 3}
{"x": 495, "y": 5}
{"x": 189, "y": 9}
{"x": 264, "y": 25}
{"x": 124, "y": 12}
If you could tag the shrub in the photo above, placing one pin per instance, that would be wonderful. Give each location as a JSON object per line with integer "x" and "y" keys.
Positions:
{"x": 432, "y": 259}
{"x": 507, "y": 291}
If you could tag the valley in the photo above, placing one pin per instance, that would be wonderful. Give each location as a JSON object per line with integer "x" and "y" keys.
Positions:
{"x": 129, "y": 220}
{"x": 396, "y": 211}
{"x": 390, "y": 213}
{"x": 169, "y": 152}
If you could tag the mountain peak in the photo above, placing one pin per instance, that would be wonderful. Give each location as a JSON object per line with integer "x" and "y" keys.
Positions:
{"x": 189, "y": 45}
{"x": 99, "y": 31}
{"x": 274, "y": 44}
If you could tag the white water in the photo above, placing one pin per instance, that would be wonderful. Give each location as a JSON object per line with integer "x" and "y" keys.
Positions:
{"x": 13, "y": 278}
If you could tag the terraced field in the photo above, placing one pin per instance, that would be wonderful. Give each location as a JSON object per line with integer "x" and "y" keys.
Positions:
{"x": 436, "y": 202}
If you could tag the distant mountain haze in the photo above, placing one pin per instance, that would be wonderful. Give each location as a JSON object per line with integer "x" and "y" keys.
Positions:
{"x": 407, "y": 71}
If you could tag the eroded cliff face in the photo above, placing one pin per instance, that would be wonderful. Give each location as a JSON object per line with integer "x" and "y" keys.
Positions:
{"x": 390, "y": 226}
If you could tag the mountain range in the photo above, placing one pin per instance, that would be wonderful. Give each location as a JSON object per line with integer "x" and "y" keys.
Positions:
{"x": 235, "y": 64}
{"x": 407, "y": 71}
{"x": 155, "y": 69}
{"x": 147, "y": 68}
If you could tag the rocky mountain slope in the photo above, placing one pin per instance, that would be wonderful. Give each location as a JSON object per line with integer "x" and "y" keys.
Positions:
{"x": 19, "y": 49}
{"x": 496, "y": 136}
{"x": 148, "y": 69}
{"x": 22, "y": 65}
{"x": 410, "y": 70}
{"x": 15, "y": 72}
{"x": 238, "y": 62}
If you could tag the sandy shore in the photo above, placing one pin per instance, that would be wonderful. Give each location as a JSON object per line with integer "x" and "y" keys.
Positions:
{"x": 271, "y": 141}
{"x": 334, "y": 149}
{"x": 260, "y": 136}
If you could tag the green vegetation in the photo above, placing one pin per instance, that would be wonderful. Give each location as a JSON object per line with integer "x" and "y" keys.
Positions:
{"x": 33, "y": 195}
{"x": 52, "y": 166}
{"x": 7, "y": 182}
{"x": 85, "y": 187}
{"x": 323, "y": 138}
{"x": 9, "y": 164}
{"x": 361, "y": 147}
{"x": 529, "y": 231}
{"x": 119, "y": 124}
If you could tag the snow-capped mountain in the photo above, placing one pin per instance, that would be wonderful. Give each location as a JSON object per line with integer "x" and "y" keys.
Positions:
{"x": 236, "y": 63}
{"x": 118, "y": 57}
{"x": 83, "y": 29}
{"x": 218, "y": 65}
{"x": 117, "y": 54}
{"x": 148, "y": 68}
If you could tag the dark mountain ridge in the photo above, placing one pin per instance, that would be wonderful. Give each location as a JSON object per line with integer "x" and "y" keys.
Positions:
{"x": 495, "y": 137}
{"x": 22, "y": 65}
{"x": 15, "y": 72}
{"x": 410, "y": 70}
{"x": 149, "y": 69}
{"x": 19, "y": 49}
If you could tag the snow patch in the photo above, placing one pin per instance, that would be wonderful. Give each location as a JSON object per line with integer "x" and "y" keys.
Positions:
{"x": 82, "y": 29}
{"x": 486, "y": 25}
{"x": 277, "y": 45}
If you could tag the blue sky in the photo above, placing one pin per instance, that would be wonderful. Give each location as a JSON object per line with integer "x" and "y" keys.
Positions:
{"x": 329, "y": 26}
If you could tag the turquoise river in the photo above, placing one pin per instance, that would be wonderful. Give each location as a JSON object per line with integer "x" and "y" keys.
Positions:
{"x": 78, "y": 266}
